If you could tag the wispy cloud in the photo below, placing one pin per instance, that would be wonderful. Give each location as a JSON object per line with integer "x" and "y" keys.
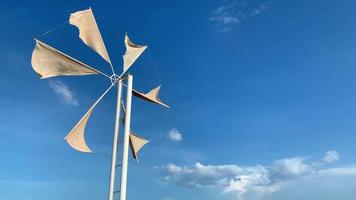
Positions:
{"x": 231, "y": 12}
{"x": 258, "y": 180}
{"x": 63, "y": 92}
{"x": 175, "y": 135}
{"x": 330, "y": 156}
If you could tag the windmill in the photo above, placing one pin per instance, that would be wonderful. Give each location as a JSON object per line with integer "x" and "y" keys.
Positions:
{"x": 49, "y": 62}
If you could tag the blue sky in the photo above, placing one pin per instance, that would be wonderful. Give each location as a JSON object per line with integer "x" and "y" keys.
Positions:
{"x": 262, "y": 97}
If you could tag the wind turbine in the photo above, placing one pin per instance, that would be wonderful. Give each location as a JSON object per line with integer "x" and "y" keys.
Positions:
{"x": 50, "y": 62}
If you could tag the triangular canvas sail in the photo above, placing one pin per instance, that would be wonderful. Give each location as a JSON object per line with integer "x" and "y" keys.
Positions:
{"x": 151, "y": 96}
{"x": 89, "y": 32}
{"x": 133, "y": 51}
{"x": 136, "y": 143}
{"x": 76, "y": 138}
{"x": 48, "y": 62}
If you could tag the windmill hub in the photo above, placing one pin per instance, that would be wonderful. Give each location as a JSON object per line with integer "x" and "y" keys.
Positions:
{"x": 114, "y": 78}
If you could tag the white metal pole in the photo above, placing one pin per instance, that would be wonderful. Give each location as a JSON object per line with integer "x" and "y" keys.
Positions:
{"x": 126, "y": 139}
{"x": 116, "y": 136}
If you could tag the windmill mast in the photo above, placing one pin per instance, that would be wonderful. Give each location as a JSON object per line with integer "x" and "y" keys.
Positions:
{"x": 126, "y": 139}
{"x": 115, "y": 141}
{"x": 127, "y": 117}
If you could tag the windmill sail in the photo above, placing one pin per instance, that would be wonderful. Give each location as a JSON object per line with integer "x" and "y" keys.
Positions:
{"x": 136, "y": 143}
{"x": 75, "y": 137}
{"x": 89, "y": 32}
{"x": 151, "y": 96}
{"x": 133, "y": 51}
{"x": 49, "y": 62}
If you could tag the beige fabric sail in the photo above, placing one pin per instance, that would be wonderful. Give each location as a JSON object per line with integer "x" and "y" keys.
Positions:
{"x": 151, "y": 96}
{"x": 133, "y": 51}
{"x": 89, "y": 32}
{"x": 136, "y": 143}
{"x": 76, "y": 138}
{"x": 49, "y": 62}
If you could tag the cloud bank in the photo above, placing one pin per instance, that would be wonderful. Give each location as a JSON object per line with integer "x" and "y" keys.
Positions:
{"x": 259, "y": 180}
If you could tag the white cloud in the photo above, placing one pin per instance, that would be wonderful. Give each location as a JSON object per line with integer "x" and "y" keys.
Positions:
{"x": 290, "y": 168}
{"x": 330, "y": 156}
{"x": 62, "y": 90}
{"x": 224, "y": 17}
{"x": 175, "y": 135}
{"x": 232, "y": 12}
{"x": 259, "y": 9}
{"x": 257, "y": 180}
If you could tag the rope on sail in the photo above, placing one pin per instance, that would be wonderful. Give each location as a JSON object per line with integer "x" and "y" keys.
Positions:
{"x": 155, "y": 70}
{"x": 159, "y": 124}
{"x": 52, "y": 29}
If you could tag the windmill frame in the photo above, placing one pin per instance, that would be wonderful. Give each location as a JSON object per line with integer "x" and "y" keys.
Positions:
{"x": 50, "y": 62}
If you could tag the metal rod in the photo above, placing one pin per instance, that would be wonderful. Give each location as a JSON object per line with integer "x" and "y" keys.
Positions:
{"x": 116, "y": 136}
{"x": 126, "y": 139}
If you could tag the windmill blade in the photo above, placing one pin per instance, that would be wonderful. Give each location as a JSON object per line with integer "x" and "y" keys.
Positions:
{"x": 49, "y": 62}
{"x": 136, "y": 143}
{"x": 89, "y": 32}
{"x": 133, "y": 51}
{"x": 76, "y": 137}
{"x": 151, "y": 96}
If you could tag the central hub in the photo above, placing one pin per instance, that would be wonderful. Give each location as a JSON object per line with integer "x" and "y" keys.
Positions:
{"x": 114, "y": 78}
